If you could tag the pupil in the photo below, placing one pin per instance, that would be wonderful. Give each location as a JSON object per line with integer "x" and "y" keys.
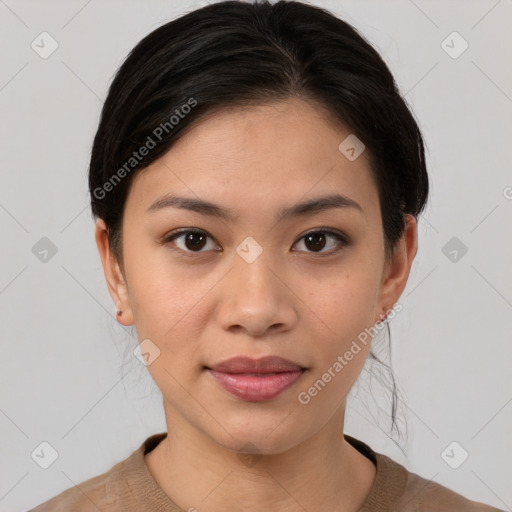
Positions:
{"x": 314, "y": 238}
{"x": 195, "y": 244}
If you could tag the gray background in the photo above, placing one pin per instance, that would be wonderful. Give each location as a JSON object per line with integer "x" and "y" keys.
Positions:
{"x": 68, "y": 374}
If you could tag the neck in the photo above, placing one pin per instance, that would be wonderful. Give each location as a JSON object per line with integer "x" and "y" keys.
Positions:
{"x": 323, "y": 472}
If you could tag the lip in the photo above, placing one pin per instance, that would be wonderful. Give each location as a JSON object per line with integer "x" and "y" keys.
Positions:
{"x": 268, "y": 364}
{"x": 256, "y": 380}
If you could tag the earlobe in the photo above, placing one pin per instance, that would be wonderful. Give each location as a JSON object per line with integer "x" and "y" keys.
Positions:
{"x": 114, "y": 277}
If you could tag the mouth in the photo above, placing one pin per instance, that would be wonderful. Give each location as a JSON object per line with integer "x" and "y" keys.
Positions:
{"x": 256, "y": 380}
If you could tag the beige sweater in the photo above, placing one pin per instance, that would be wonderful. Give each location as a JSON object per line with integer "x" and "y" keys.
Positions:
{"x": 129, "y": 487}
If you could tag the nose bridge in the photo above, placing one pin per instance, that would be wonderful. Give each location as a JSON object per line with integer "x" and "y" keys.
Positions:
{"x": 250, "y": 265}
{"x": 254, "y": 298}
{"x": 254, "y": 278}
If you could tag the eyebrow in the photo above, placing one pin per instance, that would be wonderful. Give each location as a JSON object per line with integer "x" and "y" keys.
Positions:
{"x": 203, "y": 207}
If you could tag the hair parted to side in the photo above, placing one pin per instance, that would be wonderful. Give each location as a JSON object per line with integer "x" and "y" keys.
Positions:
{"x": 236, "y": 54}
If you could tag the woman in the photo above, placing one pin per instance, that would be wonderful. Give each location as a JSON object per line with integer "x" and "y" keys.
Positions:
{"x": 256, "y": 179}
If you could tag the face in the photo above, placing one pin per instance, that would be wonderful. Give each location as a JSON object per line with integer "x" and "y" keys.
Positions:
{"x": 255, "y": 275}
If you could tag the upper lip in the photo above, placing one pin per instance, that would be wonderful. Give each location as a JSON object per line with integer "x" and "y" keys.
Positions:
{"x": 268, "y": 364}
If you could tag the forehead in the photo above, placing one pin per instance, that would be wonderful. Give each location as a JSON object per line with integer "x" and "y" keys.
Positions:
{"x": 255, "y": 157}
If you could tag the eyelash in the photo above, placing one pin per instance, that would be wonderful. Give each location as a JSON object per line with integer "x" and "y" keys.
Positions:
{"x": 342, "y": 239}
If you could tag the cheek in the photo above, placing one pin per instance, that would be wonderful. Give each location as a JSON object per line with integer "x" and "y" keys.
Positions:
{"x": 166, "y": 308}
{"x": 172, "y": 305}
{"x": 160, "y": 294}
{"x": 347, "y": 303}
{"x": 346, "y": 306}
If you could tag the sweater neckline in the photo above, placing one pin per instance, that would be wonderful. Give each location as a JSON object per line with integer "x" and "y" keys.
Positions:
{"x": 388, "y": 486}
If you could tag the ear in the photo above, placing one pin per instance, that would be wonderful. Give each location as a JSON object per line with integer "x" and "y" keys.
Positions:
{"x": 116, "y": 282}
{"x": 397, "y": 268}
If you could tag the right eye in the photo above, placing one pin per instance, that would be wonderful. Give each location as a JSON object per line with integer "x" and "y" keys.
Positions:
{"x": 188, "y": 240}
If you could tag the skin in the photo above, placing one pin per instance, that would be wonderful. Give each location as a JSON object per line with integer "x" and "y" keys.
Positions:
{"x": 200, "y": 308}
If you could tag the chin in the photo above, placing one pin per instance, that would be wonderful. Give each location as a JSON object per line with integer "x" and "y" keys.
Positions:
{"x": 262, "y": 436}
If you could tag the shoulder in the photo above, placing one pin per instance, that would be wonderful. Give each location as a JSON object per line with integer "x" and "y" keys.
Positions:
{"x": 420, "y": 494}
{"x": 91, "y": 495}
{"x": 397, "y": 489}
{"x": 120, "y": 488}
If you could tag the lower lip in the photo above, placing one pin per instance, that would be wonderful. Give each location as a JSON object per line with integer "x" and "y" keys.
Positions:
{"x": 256, "y": 388}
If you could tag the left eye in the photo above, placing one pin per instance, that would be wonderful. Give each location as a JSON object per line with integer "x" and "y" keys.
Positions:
{"x": 317, "y": 240}
{"x": 196, "y": 240}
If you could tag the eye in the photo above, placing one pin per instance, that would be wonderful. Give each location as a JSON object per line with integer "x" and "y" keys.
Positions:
{"x": 195, "y": 240}
{"x": 189, "y": 240}
{"x": 316, "y": 240}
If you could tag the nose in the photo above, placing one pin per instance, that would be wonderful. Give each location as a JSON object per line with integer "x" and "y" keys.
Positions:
{"x": 256, "y": 299}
